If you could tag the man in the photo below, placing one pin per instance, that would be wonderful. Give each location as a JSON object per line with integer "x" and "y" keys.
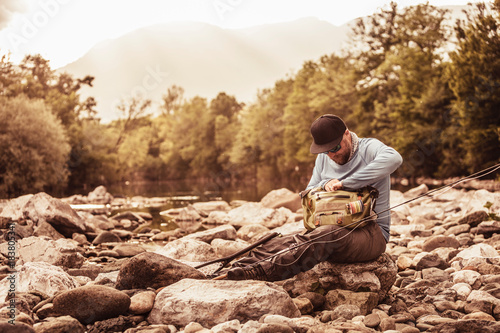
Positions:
{"x": 344, "y": 162}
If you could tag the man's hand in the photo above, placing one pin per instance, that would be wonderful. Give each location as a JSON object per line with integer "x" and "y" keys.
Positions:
{"x": 333, "y": 185}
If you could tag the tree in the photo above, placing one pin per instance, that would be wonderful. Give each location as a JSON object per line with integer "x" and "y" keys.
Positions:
{"x": 224, "y": 109}
{"x": 132, "y": 111}
{"x": 474, "y": 78}
{"x": 403, "y": 99}
{"x": 33, "y": 148}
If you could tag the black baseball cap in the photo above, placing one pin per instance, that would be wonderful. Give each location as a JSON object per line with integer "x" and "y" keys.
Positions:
{"x": 327, "y": 132}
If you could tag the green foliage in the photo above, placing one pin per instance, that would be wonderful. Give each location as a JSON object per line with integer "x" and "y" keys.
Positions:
{"x": 395, "y": 82}
{"x": 474, "y": 78}
{"x": 33, "y": 148}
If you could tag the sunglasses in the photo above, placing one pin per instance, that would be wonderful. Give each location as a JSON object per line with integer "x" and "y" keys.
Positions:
{"x": 334, "y": 149}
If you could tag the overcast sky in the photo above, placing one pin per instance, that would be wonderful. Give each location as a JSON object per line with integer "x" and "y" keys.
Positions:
{"x": 64, "y": 30}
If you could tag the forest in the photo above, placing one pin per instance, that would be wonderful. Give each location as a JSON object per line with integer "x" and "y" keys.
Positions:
{"x": 427, "y": 88}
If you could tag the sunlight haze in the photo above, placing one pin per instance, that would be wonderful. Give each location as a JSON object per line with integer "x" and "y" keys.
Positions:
{"x": 64, "y": 30}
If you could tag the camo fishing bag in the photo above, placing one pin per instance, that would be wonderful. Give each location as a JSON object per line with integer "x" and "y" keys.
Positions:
{"x": 349, "y": 209}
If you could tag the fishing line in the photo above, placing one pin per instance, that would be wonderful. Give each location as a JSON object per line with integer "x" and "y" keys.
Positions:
{"x": 430, "y": 193}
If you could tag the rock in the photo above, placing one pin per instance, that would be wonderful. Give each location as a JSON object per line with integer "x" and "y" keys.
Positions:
{"x": 431, "y": 260}
{"x": 213, "y": 302}
{"x": 478, "y": 316}
{"x": 167, "y": 235}
{"x": 128, "y": 250}
{"x": 187, "y": 214}
{"x": 458, "y": 230}
{"x": 403, "y": 262}
{"x": 46, "y": 311}
{"x": 153, "y": 270}
{"x": 252, "y": 212}
{"x": 472, "y": 278}
{"x": 435, "y": 274}
{"x": 346, "y": 311}
{"x": 481, "y": 301}
{"x": 416, "y": 191}
{"x": 128, "y": 215}
{"x": 473, "y": 219}
{"x": 101, "y": 222}
{"x": 45, "y": 229}
{"x": 156, "y": 329}
{"x": 39, "y": 276}
{"x": 17, "y": 327}
{"x": 488, "y": 228}
{"x": 100, "y": 195}
{"x": 13, "y": 211}
{"x": 304, "y": 305}
{"x": 282, "y": 198}
{"x": 217, "y": 217}
{"x": 108, "y": 253}
{"x": 92, "y": 303}
{"x": 43, "y": 207}
{"x": 188, "y": 250}
{"x": 477, "y": 251}
{"x": 376, "y": 276}
{"x": 228, "y": 326}
{"x": 211, "y": 206}
{"x": 251, "y": 232}
{"x": 482, "y": 326}
{"x": 387, "y": 324}
{"x": 317, "y": 300}
{"x": 398, "y": 230}
{"x": 290, "y": 228}
{"x": 142, "y": 302}
{"x": 63, "y": 324}
{"x": 62, "y": 252}
{"x": 365, "y": 301}
{"x": 372, "y": 320}
{"x": 106, "y": 237}
{"x": 226, "y": 232}
{"x": 118, "y": 324}
{"x": 440, "y": 241}
{"x": 225, "y": 248}
{"x": 463, "y": 290}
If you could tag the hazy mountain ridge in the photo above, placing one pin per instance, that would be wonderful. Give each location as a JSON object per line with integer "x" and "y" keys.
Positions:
{"x": 205, "y": 59}
{"x": 201, "y": 58}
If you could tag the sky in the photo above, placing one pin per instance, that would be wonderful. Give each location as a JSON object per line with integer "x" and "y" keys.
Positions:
{"x": 64, "y": 30}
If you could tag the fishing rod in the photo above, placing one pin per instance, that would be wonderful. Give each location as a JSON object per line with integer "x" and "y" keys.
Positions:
{"x": 476, "y": 175}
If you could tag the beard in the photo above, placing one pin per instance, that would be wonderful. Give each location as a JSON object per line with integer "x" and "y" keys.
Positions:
{"x": 342, "y": 158}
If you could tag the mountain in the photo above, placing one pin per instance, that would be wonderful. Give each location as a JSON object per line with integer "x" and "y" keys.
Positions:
{"x": 205, "y": 59}
{"x": 201, "y": 58}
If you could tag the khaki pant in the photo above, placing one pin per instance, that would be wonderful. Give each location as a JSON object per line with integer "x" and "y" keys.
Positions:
{"x": 331, "y": 243}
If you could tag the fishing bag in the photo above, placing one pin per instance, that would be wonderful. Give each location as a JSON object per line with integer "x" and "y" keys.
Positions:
{"x": 343, "y": 208}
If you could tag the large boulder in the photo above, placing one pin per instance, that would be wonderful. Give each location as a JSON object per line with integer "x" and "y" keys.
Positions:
{"x": 153, "y": 270}
{"x": 377, "y": 276}
{"x": 13, "y": 211}
{"x": 282, "y": 198}
{"x": 92, "y": 303}
{"x": 213, "y": 302}
{"x": 43, "y": 207}
{"x": 227, "y": 232}
{"x": 255, "y": 212}
{"x": 188, "y": 249}
{"x": 40, "y": 276}
{"x": 100, "y": 195}
{"x": 62, "y": 252}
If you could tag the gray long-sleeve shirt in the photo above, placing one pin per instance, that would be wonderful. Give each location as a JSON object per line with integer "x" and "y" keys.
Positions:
{"x": 372, "y": 164}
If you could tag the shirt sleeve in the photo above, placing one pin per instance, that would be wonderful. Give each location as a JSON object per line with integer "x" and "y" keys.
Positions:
{"x": 381, "y": 160}
{"x": 316, "y": 180}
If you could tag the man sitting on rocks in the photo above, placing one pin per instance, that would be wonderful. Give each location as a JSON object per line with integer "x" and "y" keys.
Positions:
{"x": 344, "y": 162}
